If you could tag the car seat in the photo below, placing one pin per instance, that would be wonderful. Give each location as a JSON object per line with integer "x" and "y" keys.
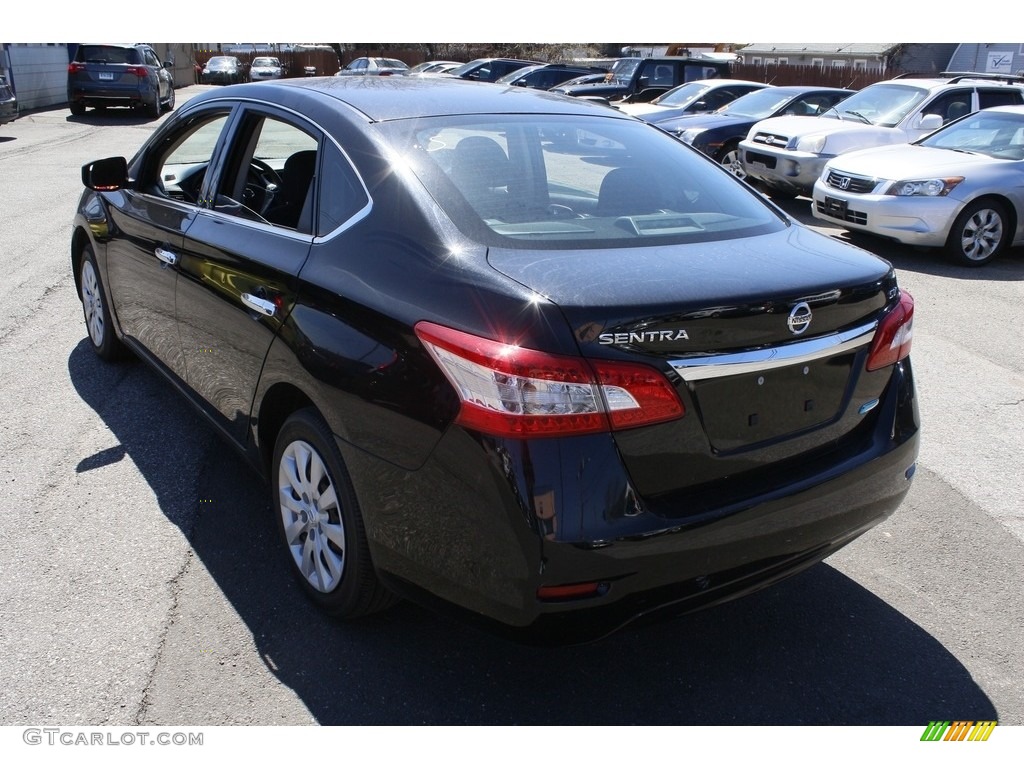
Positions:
{"x": 292, "y": 202}
{"x": 480, "y": 170}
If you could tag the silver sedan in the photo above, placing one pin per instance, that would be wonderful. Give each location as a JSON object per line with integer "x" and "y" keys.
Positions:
{"x": 961, "y": 188}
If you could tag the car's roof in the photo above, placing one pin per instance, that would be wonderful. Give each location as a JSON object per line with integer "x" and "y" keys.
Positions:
{"x": 932, "y": 83}
{"x": 398, "y": 98}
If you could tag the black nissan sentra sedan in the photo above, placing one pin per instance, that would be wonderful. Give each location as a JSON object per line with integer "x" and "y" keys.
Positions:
{"x": 502, "y": 350}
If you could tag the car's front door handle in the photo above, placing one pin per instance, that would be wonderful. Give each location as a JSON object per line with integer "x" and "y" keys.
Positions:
{"x": 257, "y": 304}
{"x": 170, "y": 258}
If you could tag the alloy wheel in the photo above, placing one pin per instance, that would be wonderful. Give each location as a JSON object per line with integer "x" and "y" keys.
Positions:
{"x": 92, "y": 304}
{"x": 311, "y": 516}
{"x": 981, "y": 235}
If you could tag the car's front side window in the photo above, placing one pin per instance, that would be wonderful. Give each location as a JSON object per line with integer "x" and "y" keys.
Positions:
{"x": 176, "y": 169}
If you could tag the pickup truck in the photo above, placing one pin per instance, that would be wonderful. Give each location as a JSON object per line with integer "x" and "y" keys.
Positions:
{"x": 638, "y": 79}
{"x": 785, "y": 155}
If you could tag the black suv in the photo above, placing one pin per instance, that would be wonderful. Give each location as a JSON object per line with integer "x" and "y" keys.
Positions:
{"x": 639, "y": 79}
{"x": 119, "y": 75}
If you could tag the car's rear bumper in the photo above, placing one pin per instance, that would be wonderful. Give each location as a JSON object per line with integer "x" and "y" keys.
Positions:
{"x": 110, "y": 95}
{"x": 518, "y": 516}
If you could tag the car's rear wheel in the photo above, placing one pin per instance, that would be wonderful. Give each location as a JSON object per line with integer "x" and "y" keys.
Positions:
{"x": 979, "y": 233}
{"x": 77, "y": 108}
{"x": 96, "y": 309}
{"x": 319, "y": 520}
{"x": 153, "y": 108}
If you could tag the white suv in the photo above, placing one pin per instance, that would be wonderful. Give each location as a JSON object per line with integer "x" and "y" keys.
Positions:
{"x": 787, "y": 154}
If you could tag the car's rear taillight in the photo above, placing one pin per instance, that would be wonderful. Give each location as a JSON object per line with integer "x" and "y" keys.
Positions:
{"x": 75, "y": 67}
{"x": 138, "y": 71}
{"x": 509, "y": 391}
{"x": 894, "y": 334}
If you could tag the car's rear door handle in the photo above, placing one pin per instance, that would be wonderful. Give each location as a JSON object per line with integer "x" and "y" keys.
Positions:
{"x": 170, "y": 258}
{"x": 257, "y": 304}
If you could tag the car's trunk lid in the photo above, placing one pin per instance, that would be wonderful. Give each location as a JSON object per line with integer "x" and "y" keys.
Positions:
{"x": 764, "y": 339}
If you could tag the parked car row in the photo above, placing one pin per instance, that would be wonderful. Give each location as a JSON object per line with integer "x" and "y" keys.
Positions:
{"x": 932, "y": 162}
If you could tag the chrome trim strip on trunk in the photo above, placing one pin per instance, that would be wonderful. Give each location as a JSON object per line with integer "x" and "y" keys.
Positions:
{"x": 731, "y": 364}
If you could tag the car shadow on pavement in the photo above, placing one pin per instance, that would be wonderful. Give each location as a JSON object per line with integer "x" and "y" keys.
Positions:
{"x": 816, "y": 649}
{"x": 112, "y": 116}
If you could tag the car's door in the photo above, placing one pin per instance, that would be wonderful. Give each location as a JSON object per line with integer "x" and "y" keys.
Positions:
{"x": 241, "y": 258}
{"x": 148, "y": 223}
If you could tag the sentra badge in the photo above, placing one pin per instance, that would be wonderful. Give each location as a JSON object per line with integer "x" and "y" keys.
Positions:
{"x": 643, "y": 337}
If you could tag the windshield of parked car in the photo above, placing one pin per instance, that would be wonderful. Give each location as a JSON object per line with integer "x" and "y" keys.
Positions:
{"x": 469, "y": 66}
{"x": 265, "y": 62}
{"x": 996, "y": 134}
{"x": 222, "y": 62}
{"x": 622, "y": 70}
{"x": 574, "y": 182}
{"x": 514, "y": 75}
{"x": 682, "y": 95}
{"x": 757, "y": 105}
{"x": 884, "y": 104}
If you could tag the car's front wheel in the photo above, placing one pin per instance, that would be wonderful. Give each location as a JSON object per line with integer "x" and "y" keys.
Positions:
{"x": 320, "y": 522}
{"x": 96, "y": 309}
{"x": 979, "y": 233}
{"x": 730, "y": 160}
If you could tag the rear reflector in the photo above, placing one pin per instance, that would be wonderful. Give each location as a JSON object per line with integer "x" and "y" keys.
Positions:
{"x": 572, "y": 591}
{"x": 509, "y": 391}
{"x": 894, "y": 335}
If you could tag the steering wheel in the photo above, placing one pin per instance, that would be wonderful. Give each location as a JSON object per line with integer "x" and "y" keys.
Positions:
{"x": 261, "y": 184}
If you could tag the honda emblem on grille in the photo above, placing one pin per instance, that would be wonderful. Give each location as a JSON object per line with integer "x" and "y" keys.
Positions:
{"x": 799, "y": 318}
{"x": 843, "y": 182}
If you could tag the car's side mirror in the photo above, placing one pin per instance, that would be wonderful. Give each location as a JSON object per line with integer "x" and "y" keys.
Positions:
{"x": 929, "y": 122}
{"x": 105, "y": 175}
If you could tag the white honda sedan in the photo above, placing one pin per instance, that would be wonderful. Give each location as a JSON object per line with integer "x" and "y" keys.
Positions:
{"x": 961, "y": 188}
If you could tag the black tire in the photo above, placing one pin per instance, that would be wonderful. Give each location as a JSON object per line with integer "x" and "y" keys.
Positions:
{"x": 77, "y": 108}
{"x": 153, "y": 109}
{"x": 319, "y": 520}
{"x": 979, "y": 234}
{"x": 169, "y": 106}
{"x": 96, "y": 309}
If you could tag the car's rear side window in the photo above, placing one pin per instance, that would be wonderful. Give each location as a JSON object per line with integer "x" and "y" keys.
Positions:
{"x": 999, "y": 97}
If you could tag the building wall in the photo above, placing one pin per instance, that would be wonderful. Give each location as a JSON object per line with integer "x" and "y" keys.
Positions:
{"x": 38, "y": 73}
{"x": 1001, "y": 58}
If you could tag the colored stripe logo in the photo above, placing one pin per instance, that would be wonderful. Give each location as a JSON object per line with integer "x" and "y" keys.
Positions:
{"x": 959, "y": 730}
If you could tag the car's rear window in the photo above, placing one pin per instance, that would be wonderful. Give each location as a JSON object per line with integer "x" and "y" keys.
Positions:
{"x": 107, "y": 54}
{"x": 569, "y": 182}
